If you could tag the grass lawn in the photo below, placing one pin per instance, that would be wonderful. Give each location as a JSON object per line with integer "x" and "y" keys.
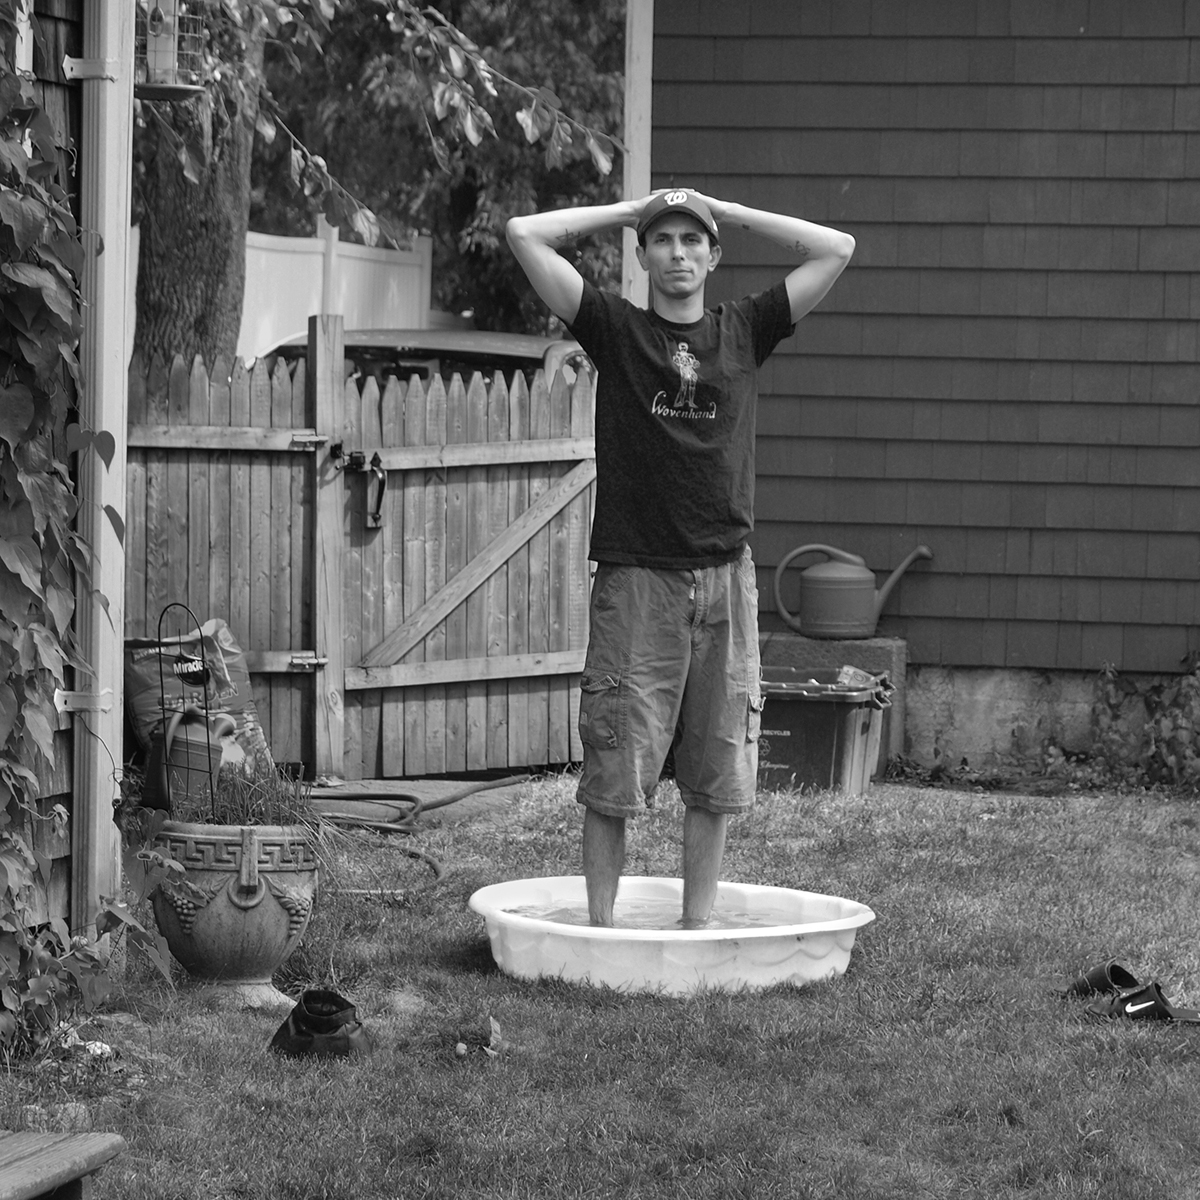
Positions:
{"x": 943, "y": 1064}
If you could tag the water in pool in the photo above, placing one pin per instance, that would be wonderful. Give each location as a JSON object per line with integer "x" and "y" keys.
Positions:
{"x": 663, "y": 913}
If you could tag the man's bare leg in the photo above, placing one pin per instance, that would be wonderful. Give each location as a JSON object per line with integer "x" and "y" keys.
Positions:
{"x": 703, "y": 849}
{"x": 603, "y": 858}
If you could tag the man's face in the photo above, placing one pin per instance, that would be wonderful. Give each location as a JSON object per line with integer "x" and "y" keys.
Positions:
{"x": 678, "y": 255}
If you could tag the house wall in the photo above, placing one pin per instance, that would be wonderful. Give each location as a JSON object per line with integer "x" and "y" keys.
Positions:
{"x": 1008, "y": 370}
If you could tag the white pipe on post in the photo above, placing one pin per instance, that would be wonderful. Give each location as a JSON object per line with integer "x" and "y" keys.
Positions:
{"x": 106, "y": 153}
{"x": 639, "y": 69}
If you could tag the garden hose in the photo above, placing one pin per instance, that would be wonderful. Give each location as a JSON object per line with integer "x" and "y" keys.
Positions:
{"x": 408, "y": 823}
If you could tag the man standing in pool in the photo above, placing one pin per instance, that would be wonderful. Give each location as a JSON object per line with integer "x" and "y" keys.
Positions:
{"x": 672, "y": 660}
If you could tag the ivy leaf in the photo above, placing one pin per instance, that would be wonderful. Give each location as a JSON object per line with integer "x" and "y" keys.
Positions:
{"x": 60, "y": 301}
{"x": 49, "y": 650}
{"x": 23, "y": 558}
{"x": 105, "y": 446}
{"x": 24, "y": 215}
{"x": 16, "y": 413}
{"x": 265, "y": 127}
{"x": 60, "y": 594}
{"x": 39, "y": 728}
{"x": 41, "y": 988}
{"x": 78, "y": 438}
{"x": 114, "y": 519}
{"x": 13, "y": 159}
{"x": 45, "y": 866}
{"x": 8, "y": 718}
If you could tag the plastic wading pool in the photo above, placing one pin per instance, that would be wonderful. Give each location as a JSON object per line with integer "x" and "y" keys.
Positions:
{"x": 758, "y": 937}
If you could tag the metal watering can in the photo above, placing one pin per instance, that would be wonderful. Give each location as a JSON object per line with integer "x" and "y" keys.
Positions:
{"x": 838, "y": 597}
{"x": 185, "y": 759}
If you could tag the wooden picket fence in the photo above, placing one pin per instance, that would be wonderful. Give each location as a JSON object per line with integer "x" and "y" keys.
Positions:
{"x": 405, "y": 567}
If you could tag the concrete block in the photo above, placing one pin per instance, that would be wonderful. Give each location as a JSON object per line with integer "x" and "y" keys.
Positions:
{"x": 991, "y": 716}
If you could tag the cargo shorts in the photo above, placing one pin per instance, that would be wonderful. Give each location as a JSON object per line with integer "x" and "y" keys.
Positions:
{"x": 672, "y": 663}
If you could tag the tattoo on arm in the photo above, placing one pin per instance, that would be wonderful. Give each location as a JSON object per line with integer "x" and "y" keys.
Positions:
{"x": 802, "y": 250}
{"x": 567, "y": 237}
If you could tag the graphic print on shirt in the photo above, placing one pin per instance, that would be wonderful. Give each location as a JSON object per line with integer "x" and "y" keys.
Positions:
{"x": 684, "y": 405}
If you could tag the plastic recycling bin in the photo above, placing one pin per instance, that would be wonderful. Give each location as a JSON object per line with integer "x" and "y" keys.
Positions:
{"x": 818, "y": 733}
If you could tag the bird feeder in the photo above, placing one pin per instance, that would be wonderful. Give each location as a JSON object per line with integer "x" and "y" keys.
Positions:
{"x": 168, "y": 51}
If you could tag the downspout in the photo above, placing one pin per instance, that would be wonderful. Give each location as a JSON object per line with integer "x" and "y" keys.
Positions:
{"x": 639, "y": 69}
{"x": 106, "y": 155}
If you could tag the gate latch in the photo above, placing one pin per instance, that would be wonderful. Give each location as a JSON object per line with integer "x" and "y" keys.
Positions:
{"x": 306, "y": 660}
{"x": 356, "y": 460}
{"x": 375, "y": 515}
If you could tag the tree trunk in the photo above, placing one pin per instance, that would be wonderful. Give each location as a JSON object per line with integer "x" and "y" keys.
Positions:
{"x": 192, "y": 254}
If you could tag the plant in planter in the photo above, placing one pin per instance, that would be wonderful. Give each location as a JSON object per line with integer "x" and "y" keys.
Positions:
{"x": 231, "y": 874}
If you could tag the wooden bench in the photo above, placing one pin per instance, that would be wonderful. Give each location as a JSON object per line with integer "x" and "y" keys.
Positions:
{"x": 58, "y": 1165}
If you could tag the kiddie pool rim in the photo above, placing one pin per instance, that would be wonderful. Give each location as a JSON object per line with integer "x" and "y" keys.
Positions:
{"x": 488, "y": 902}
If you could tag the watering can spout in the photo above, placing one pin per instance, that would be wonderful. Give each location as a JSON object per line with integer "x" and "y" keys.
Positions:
{"x": 882, "y": 594}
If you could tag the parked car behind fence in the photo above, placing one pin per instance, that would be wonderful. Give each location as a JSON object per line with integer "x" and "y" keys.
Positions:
{"x": 448, "y": 352}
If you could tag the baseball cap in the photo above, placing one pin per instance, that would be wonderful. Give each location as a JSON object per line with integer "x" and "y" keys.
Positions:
{"x": 677, "y": 200}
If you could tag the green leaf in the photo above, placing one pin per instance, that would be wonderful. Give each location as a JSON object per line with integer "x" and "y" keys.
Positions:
{"x": 114, "y": 519}
{"x": 527, "y": 119}
{"x": 77, "y": 437}
{"x": 105, "y": 445}
{"x": 16, "y": 413}
{"x": 58, "y": 298}
{"x": 40, "y": 730}
{"x": 191, "y": 169}
{"x": 41, "y": 988}
{"x": 24, "y": 215}
{"x": 364, "y": 222}
{"x": 23, "y": 558}
{"x": 601, "y": 155}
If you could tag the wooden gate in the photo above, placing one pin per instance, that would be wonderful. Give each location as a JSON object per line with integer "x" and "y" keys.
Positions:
{"x": 406, "y": 567}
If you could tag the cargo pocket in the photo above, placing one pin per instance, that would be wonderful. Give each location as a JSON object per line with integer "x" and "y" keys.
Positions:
{"x": 602, "y": 709}
{"x": 754, "y": 716}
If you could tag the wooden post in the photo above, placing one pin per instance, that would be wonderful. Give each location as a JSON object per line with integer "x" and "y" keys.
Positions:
{"x": 106, "y": 153}
{"x": 639, "y": 64}
{"x": 326, "y": 349}
{"x": 331, "y": 235}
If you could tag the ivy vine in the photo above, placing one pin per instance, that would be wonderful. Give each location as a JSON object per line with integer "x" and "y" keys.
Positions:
{"x": 44, "y": 969}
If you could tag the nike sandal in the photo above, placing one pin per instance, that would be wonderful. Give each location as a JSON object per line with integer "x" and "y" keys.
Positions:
{"x": 1146, "y": 1003}
{"x": 1102, "y": 980}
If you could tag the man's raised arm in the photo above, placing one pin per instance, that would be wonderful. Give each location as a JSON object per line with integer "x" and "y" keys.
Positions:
{"x": 824, "y": 251}
{"x": 537, "y": 239}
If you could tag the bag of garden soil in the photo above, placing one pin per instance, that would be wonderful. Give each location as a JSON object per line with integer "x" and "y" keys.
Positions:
{"x": 205, "y": 668}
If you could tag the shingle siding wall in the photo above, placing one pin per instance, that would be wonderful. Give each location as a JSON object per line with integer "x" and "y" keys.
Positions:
{"x": 1009, "y": 371}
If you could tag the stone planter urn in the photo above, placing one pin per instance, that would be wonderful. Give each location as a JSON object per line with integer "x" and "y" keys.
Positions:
{"x": 243, "y": 906}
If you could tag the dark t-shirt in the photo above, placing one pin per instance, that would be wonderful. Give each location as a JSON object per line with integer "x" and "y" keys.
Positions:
{"x": 675, "y": 412}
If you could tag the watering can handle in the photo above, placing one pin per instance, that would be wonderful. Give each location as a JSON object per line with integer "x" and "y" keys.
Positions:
{"x": 829, "y": 551}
